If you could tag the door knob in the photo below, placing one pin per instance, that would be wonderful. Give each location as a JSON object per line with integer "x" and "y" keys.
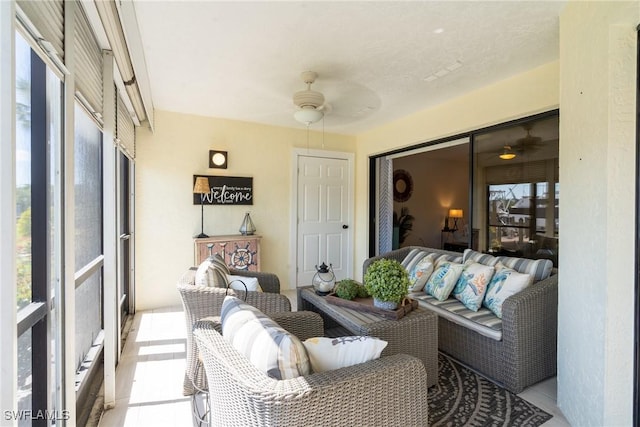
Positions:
{"x": 345, "y": 226}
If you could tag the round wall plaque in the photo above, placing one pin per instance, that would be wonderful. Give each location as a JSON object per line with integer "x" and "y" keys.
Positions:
{"x": 402, "y": 185}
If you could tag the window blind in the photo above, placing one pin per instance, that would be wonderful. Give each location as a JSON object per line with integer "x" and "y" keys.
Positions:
{"x": 88, "y": 63}
{"x": 125, "y": 128}
{"x": 48, "y": 18}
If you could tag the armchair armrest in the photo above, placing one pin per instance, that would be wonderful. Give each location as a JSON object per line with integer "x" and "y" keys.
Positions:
{"x": 529, "y": 333}
{"x": 302, "y": 324}
{"x": 269, "y": 282}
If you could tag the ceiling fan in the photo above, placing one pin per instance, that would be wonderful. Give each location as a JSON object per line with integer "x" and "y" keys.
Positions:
{"x": 522, "y": 145}
{"x": 310, "y": 102}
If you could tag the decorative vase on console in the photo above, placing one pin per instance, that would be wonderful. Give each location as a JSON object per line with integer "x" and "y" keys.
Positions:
{"x": 247, "y": 228}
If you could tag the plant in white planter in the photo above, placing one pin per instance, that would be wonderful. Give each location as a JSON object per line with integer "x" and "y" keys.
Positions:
{"x": 387, "y": 282}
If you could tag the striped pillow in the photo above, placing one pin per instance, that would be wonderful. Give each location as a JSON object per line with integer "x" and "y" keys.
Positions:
{"x": 419, "y": 265}
{"x": 213, "y": 272}
{"x": 266, "y": 344}
{"x": 540, "y": 269}
{"x": 479, "y": 257}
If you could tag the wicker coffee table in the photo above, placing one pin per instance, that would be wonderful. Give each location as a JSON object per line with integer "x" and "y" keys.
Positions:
{"x": 416, "y": 333}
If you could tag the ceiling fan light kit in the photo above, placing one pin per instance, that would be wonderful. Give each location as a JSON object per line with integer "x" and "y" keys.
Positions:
{"x": 507, "y": 154}
{"x": 308, "y": 115}
{"x": 309, "y": 101}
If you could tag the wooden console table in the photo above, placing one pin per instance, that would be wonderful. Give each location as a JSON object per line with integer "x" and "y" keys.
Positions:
{"x": 238, "y": 251}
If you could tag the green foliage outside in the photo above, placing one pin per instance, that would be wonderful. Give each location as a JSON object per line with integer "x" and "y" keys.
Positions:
{"x": 23, "y": 258}
{"x": 387, "y": 280}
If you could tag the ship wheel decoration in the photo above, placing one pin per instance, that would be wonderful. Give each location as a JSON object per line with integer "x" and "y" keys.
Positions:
{"x": 242, "y": 258}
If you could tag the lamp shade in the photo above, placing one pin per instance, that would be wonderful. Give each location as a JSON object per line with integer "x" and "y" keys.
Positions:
{"x": 455, "y": 213}
{"x": 201, "y": 186}
{"x": 308, "y": 115}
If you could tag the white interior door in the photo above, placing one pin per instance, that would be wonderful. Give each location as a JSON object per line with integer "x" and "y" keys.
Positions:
{"x": 323, "y": 233}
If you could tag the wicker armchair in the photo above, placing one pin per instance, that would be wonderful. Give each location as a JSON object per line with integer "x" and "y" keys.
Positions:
{"x": 200, "y": 302}
{"x": 389, "y": 391}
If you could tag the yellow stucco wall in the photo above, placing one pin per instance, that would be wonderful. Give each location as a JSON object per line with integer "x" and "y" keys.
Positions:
{"x": 166, "y": 219}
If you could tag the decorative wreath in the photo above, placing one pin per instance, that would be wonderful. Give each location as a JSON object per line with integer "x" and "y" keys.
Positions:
{"x": 402, "y": 185}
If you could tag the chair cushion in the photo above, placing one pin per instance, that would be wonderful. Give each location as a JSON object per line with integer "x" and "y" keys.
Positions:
{"x": 472, "y": 284}
{"x": 443, "y": 280}
{"x": 327, "y": 354}
{"x": 213, "y": 272}
{"x": 266, "y": 344}
{"x": 505, "y": 282}
{"x": 419, "y": 265}
{"x": 239, "y": 282}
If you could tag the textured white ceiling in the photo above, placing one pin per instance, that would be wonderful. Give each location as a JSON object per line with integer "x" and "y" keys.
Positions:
{"x": 242, "y": 60}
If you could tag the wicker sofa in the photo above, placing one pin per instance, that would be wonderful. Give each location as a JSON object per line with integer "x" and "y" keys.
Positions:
{"x": 525, "y": 352}
{"x": 389, "y": 391}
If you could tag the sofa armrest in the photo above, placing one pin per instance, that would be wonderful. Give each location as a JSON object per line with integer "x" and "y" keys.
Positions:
{"x": 397, "y": 254}
{"x": 529, "y": 333}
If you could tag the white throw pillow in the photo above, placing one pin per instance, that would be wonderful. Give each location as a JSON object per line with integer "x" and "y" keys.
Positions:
{"x": 236, "y": 282}
{"x": 212, "y": 272}
{"x": 266, "y": 344}
{"x": 327, "y": 354}
{"x": 505, "y": 282}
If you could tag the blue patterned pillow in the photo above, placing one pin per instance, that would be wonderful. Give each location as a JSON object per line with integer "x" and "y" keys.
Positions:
{"x": 443, "y": 279}
{"x": 472, "y": 284}
{"x": 505, "y": 282}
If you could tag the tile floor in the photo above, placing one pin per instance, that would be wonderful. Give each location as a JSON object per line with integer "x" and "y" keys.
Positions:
{"x": 149, "y": 376}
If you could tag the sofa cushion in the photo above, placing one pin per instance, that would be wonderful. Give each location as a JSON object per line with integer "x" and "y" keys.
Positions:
{"x": 505, "y": 282}
{"x": 540, "y": 269}
{"x": 212, "y": 272}
{"x": 443, "y": 279}
{"x": 472, "y": 284}
{"x": 266, "y": 344}
{"x": 419, "y": 265}
{"x": 482, "y": 321}
{"x": 479, "y": 257}
{"x": 326, "y": 354}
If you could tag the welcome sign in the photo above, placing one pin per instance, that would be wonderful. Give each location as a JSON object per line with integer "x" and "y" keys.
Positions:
{"x": 226, "y": 190}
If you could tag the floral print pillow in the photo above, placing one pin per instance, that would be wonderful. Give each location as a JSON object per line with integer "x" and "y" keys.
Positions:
{"x": 472, "y": 284}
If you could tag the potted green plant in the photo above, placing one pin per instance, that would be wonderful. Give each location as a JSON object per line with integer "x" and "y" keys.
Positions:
{"x": 387, "y": 282}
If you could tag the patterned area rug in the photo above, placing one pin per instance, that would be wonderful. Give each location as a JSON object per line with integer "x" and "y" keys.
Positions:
{"x": 464, "y": 398}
